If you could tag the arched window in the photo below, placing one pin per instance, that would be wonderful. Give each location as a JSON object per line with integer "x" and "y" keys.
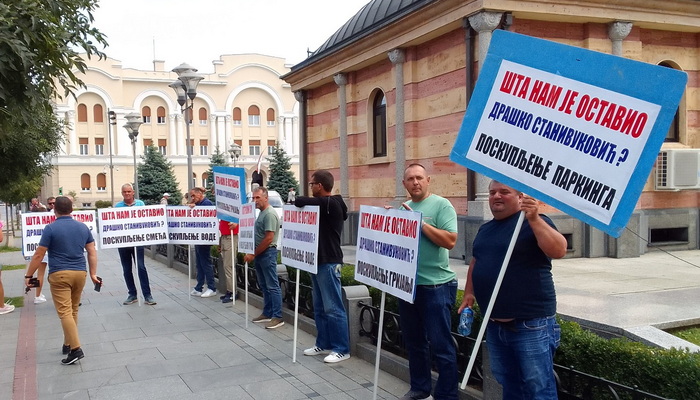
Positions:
{"x": 82, "y": 112}
{"x": 202, "y": 116}
{"x": 236, "y": 116}
{"x": 101, "y": 182}
{"x": 674, "y": 132}
{"x": 253, "y": 116}
{"x": 146, "y": 114}
{"x": 85, "y": 182}
{"x": 161, "y": 115}
{"x": 270, "y": 117}
{"x": 379, "y": 141}
{"x": 97, "y": 113}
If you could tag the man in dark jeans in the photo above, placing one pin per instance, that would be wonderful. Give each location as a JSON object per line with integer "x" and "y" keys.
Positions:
{"x": 202, "y": 252}
{"x": 329, "y": 312}
{"x": 267, "y": 227}
{"x": 129, "y": 255}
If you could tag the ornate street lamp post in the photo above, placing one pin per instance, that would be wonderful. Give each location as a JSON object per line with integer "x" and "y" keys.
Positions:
{"x": 186, "y": 88}
{"x": 235, "y": 152}
{"x": 133, "y": 122}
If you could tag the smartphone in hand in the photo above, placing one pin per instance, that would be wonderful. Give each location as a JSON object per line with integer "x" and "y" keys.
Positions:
{"x": 98, "y": 285}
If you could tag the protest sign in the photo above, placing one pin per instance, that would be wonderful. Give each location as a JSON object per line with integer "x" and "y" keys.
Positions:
{"x": 300, "y": 237}
{"x": 575, "y": 128}
{"x": 229, "y": 189}
{"x": 387, "y": 250}
{"x": 246, "y": 229}
{"x": 33, "y": 226}
{"x": 132, "y": 226}
{"x": 197, "y": 225}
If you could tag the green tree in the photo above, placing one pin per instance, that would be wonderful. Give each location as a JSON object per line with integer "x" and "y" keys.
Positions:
{"x": 218, "y": 159}
{"x": 156, "y": 176}
{"x": 281, "y": 176}
{"x": 20, "y": 191}
{"x": 39, "y": 45}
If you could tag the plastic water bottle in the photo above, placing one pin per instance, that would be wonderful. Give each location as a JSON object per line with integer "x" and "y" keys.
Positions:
{"x": 465, "y": 322}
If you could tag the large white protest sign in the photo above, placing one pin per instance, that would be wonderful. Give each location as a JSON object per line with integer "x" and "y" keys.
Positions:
{"x": 33, "y": 226}
{"x": 197, "y": 225}
{"x": 229, "y": 189}
{"x": 576, "y": 128}
{"x": 300, "y": 237}
{"x": 246, "y": 229}
{"x": 132, "y": 226}
{"x": 387, "y": 250}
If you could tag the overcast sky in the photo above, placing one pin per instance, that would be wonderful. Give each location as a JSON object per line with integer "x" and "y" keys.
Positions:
{"x": 199, "y": 31}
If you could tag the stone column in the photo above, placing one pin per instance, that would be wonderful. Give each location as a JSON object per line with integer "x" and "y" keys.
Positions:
{"x": 228, "y": 132}
{"x": 175, "y": 134}
{"x": 398, "y": 57}
{"x": 213, "y": 133}
{"x": 172, "y": 135}
{"x": 300, "y": 96}
{"x": 617, "y": 32}
{"x": 484, "y": 23}
{"x": 72, "y": 136}
{"x": 341, "y": 80}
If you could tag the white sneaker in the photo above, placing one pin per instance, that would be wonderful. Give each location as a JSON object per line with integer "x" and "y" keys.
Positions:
{"x": 195, "y": 292}
{"x": 40, "y": 299}
{"x": 314, "y": 351}
{"x": 6, "y": 308}
{"x": 209, "y": 293}
{"x": 336, "y": 357}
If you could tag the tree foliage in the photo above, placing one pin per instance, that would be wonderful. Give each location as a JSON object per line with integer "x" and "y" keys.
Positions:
{"x": 281, "y": 176}
{"x": 218, "y": 159}
{"x": 20, "y": 191}
{"x": 40, "y": 41}
{"x": 156, "y": 176}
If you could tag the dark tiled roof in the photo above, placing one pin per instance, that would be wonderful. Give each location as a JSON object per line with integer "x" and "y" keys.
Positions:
{"x": 372, "y": 17}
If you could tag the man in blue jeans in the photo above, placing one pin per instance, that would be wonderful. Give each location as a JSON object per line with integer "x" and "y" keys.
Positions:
{"x": 522, "y": 334}
{"x": 329, "y": 311}
{"x": 426, "y": 324}
{"x": 202, "y": 252}
{"x": 129, "y": 255}
{"x": 267, "y": 227}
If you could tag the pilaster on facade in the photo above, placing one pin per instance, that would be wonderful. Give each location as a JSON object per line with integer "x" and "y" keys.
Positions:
{"x": 341, "y": 80}
{"x": 617, "y": 32}
{"x": 484, "y": 23}
{"x": 398, "y": 58}
{"x": 72, "y": 136}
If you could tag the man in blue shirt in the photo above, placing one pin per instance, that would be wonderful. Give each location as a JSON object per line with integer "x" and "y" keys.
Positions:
{"x": 522, "y": 334}
{"x": 205, "y": 269}
{"x": 128, "y": 255}
{"x": 65, "y": 239}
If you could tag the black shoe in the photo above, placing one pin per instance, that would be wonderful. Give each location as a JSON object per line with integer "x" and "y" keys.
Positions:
{"x": 228, "y": 294}
{"x": 65, "y": 349}
{"x": 73, "y": 356}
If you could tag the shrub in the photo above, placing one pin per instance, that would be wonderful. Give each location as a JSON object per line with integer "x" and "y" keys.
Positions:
{"x": 669, "y": 373}
{"x": 103, "y": 204}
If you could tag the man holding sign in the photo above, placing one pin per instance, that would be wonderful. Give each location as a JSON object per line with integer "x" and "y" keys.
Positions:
{"x": 522, "y": 334}
{"x": 129, "y": 255}
{"x": 267, "y": 228}
{"x": 329, "y": 311}
{"x": 426, "y": 324}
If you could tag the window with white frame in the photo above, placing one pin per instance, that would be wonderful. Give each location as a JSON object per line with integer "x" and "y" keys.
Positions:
{"x": 271, "y": 147}
{"x": 163, "y": 146}
{"x": 203, "y": 148}
{"x": 270, "y": 117}
{"x": 253, "y": 116}
{"x": 146, "y": 114}
{"x": 161, "y": 115}
{"x": 101, "y": 182}
{"x": 83, "y": 146}
{"x": 203, "y": 116}
{"x": 146, "y": 144}
{"x": 237, "y": 116}
{"x": 99, "y": 146}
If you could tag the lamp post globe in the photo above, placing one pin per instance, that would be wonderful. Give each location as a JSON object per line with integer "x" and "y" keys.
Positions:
{"x": 235, "y": 152}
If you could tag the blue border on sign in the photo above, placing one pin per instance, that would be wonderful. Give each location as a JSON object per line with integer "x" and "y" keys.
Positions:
{"x": 240, "y": 173}
{"x": 652, "y": 83}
